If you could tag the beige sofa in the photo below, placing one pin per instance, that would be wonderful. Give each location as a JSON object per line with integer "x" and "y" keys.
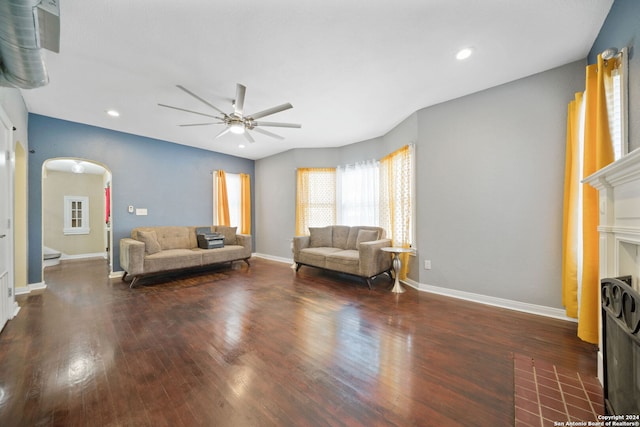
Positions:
{"x": 350, "y": 250}
{"x": 168, "y": 248}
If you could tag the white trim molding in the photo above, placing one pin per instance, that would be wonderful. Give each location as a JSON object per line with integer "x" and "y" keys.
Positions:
{"x": 273, "y": 258}
{"x": 116, "y": 274}
{"x": 540, "y": 310}
{"x": 25, "y": 290}
{"x": 525, "y": 307}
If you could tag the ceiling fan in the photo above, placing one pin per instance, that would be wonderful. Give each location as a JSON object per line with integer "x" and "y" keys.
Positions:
{"x": 237, "y": 122}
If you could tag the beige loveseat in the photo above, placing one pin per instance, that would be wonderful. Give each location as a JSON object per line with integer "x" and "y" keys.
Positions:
{"x": 167, "y": 248}
{"x": 350, "y": 250}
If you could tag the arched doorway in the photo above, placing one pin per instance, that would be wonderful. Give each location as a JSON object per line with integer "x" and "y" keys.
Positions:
{"x": 76, "y": 207}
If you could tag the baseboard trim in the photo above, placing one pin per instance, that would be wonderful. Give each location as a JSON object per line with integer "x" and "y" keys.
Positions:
{"x": 116, "y": 274}
{"x": 24, "y": 290}
{"x": 274, "y": 258}
{"x": 539, "y": 310}
{"x": 16, "y": 309}
{"x": 65, "y": 257}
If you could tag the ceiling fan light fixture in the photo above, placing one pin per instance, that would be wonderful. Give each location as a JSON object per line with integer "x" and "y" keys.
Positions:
{"x": 237, "y": 128}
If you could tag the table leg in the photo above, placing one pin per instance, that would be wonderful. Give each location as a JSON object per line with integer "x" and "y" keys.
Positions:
{"x": 397, "y": 265}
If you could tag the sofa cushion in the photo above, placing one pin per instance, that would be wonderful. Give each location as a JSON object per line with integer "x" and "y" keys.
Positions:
{"x": 352, "y": 241}
{"x": 315, "y": 256}
{"x": 340, "y": 236}
{"x": 150, "y": 240}
{"x": 346, "y": 261}
{"x": 173, "y": 237}
{"x": 224, "y": 254}
{"x": 320, "y": 237}
{"x": 228, "y": 232}
{"x": 172, "y": 259}
{"x": 366, "y": 236}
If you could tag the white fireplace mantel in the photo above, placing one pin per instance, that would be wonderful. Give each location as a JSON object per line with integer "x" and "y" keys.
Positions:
{"x": 618, "y": 187}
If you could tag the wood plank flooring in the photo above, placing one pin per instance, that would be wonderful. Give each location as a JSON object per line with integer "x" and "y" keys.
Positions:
{"x": 262, "y": 346}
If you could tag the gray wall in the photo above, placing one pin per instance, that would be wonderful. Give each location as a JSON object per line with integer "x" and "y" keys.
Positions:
{"x": 490, "y": 192}
{"x": 490, "y": 170}
{"x": 275, "y": 204}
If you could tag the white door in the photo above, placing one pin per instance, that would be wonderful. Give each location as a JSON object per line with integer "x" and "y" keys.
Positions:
{"x": 6, "y": 208}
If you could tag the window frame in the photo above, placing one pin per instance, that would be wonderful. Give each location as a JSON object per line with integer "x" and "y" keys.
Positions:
{"x": 69, "y": 228}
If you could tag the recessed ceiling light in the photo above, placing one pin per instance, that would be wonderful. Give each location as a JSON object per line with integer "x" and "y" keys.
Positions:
{"x": 464, "y": 53}
{"x": 241, "y": 146}
{"x": 113, "y": 113}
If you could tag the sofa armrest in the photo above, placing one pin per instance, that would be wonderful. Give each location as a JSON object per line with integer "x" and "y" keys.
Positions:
{"x": 245, "y": 241}
{"x": 372, "y": 260}
{"x": 299, "y": 243}
{"x": 132, "y": 256}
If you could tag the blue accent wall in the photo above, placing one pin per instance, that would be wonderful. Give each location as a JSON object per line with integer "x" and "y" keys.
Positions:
{"x": 172, "y": 181}
{"x": 622, "y": 29}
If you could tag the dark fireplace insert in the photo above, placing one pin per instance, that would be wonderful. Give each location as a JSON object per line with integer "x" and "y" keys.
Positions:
{"x": 621, "y": 346}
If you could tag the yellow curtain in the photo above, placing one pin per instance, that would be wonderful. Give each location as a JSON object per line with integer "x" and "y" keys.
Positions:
{"x": 315, "y": 198}
{"x": 396, "y": 172}
{"x": 598, "y": 152}
{"x": 571, "y": 210}
{"x": 222, "y": 201}
{"x": 245, "y": 204}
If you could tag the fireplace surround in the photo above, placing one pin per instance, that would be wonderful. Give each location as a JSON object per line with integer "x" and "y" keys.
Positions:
{"x": 618, "y": 187}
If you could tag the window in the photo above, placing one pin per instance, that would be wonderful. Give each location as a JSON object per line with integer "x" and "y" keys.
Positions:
{"x": 397, "y": 187}
{"x": 76, "y": 215}
{"x": 315, "y": 198}
{"x": 616, "y": 90}
{"x": 358, "y": 194}
{"x": 371, "y": 193}
{"x": 237, "y": 198}
{"x": 233, "y": 197}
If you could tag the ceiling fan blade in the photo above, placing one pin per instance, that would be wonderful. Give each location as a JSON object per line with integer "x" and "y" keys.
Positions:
{"x": 249, "y": 137}
{"x": 204, "y": 101}
{"x": 277, "y": 125}
{"x": 270, "y": 111}
{"x": 266, "y": 132}
{"x": 189, "y": 111}
{"x": 238, "y": 105}
{"x": 202, "y": 124}
{"x": 225, "y": 130}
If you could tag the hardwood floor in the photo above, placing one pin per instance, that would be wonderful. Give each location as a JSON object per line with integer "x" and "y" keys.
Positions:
{"x": 262, "y": 346}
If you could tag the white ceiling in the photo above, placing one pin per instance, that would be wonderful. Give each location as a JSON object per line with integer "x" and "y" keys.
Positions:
{"x": 352, "y": 69}
{"x": 67, "y": 165}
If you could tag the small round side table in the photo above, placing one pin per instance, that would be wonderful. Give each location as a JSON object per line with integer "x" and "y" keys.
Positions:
{"x": 397, "y": 265}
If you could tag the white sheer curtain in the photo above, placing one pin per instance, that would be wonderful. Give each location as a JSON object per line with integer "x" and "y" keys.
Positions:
{"x": 358, "y": 193}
